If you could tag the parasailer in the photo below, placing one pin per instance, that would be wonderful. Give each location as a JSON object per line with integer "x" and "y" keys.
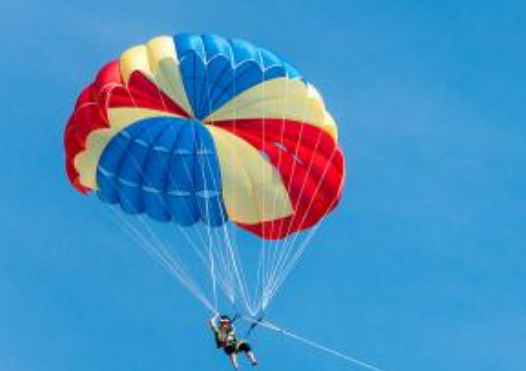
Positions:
{"x": 226, "y": 339}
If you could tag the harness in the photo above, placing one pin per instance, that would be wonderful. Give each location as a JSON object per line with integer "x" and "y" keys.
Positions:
{"x": 225, "y": 337}
{"x": 253, "y": 326}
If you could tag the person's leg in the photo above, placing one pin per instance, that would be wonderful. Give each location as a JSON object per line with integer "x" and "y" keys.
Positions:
{"x": 252, "y": 357}
{"x": 245, "y": 347}
{"x": 233, "y": 360}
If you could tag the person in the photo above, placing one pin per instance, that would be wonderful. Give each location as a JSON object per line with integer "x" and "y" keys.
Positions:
{"x": 226, "y": 339}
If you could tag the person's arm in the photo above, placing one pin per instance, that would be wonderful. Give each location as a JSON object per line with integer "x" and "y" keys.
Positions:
{"x": 213, "y": 321}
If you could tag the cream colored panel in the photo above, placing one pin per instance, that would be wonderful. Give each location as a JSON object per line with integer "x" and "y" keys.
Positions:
{"x": 280, "y": 98}
{"x": 135, "y": 59}
{"x": 164, "y": 60}
{"x": 253, "y": 191}
{"x": 157, "y": 60}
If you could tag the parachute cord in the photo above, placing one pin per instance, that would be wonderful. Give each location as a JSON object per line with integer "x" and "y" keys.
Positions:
{"x": 175, "y": 268}
{"x": 157, "y": 249}
{"x": 207, "y": 262}
{"x": 258, "y": 288}
{"x": 223, "y": 282}
{"x": 290, "y": 265}
{"x": 238, "y": 271}
{"x": 280, "y": 249}
{"x": 224, "y": 260}
{"x": 283, "y": 250}
{"x": 163, "y": 249}
{"x": 234, "y": 254}
{"x": 284, "y": 264}
{"x": 200, "y": 153}
{"x": 213, "y": 276}
{"x": 216, "y": 274}
{"x": 162, "y": 259}
{"x": 254, "y": 322}
{"x": 277, "y": 247}
{"x": 270, "y": 326}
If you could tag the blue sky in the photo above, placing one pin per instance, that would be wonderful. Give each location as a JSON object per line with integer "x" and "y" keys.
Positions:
{"x": 420, "y": 268}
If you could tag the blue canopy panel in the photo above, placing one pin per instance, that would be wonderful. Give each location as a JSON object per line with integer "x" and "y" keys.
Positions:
{"x": 165, "y": 167}
{"x": 215, "y": 69}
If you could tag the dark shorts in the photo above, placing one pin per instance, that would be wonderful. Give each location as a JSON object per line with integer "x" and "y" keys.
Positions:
{"x": 237, "y": 348}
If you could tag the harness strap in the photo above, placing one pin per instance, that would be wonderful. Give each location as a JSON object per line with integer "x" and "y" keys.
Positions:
{"x": 253, "y": 326}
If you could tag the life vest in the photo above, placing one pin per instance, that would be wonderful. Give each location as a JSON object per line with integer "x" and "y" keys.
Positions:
{"x": 225, "y": 337}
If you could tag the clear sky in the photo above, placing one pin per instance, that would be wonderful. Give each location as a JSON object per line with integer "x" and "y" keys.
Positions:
{"x": 420, "y": 268}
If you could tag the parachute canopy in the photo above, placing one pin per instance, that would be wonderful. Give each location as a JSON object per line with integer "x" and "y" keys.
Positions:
{"x": 199, "y": 128}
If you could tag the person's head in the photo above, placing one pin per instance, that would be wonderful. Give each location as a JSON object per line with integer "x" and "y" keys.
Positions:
{"x": 224, "y": 321}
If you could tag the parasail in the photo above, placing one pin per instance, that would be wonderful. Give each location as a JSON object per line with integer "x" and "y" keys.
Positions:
{"x": 219, "y": 140}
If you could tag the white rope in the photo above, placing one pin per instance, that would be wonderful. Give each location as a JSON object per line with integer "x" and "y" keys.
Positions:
{"x": 234, "y": 255}
{"x": 209, "y": 246}
{"x": 316, "y": 345}
{"x": 171, "y": 262}
{"x": 161, "y": 258}
{"x": 234, "y": 261}
{"x": 275, "y": 247}
{"x": 202, "y": 257}
{"x": 281, "y": 247}
{"x": 225, "y": 285}
{"x": 278, "y": 275}
{"x": 199, "y": 154}
{"x": 233, "y": 250}
{"x": 213, "y": 276}
{"x": 263, "y": 97}
{"x": 291, "y": 264}
{"x": 159, "y": 251}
